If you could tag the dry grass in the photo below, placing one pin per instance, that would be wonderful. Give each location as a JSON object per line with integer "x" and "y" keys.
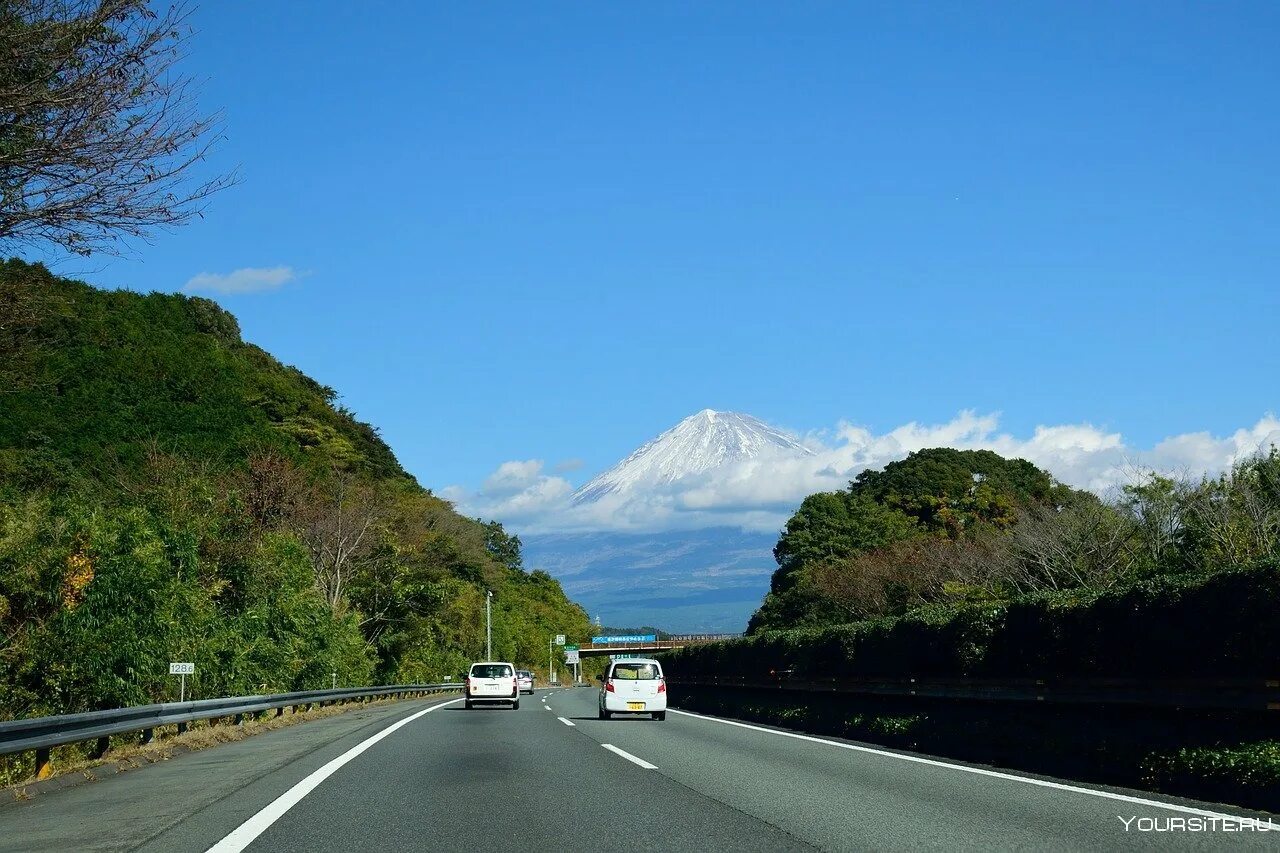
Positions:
{"x": 126, "y": 753}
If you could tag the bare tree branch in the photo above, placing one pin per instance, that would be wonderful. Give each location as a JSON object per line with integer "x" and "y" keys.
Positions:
{"x": 99, "y": 133}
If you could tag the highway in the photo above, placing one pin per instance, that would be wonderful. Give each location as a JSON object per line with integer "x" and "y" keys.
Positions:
{"x": 550, "y": 776}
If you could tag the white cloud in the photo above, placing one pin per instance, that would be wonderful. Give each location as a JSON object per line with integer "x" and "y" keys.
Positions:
{"x": 247, "y": 280}
{"x": 516, "y": 490}
{"x": 760, "y": 494}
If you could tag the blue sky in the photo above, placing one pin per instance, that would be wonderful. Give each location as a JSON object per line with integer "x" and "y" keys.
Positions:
{"x": 550, "y": 231}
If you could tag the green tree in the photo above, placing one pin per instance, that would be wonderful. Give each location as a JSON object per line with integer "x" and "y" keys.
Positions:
{"x": 826, "y": 527}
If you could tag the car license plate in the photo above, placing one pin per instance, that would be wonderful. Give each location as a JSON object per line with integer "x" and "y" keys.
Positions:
{"x": 635, "y": 706}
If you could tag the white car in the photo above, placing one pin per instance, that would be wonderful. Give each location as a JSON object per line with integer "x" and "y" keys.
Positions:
{"x": 524, "y": 678}
{"x": 633, "y": 686}
{"x": 492, "y": 682}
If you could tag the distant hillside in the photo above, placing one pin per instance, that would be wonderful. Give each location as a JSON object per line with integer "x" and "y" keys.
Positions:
{"x": 116, "y": 374}
{"x": 687, "y": 581}
{"x": 170, "y": 492}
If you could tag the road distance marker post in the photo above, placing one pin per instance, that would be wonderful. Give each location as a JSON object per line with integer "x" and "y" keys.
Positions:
{"x": 182, "y": 670}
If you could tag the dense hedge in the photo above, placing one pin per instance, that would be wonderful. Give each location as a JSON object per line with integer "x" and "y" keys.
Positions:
{"x": 1219, "y": 625}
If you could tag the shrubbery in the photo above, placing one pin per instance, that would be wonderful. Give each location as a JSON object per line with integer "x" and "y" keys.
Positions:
{"x": 1190, "y": 625}
{"x": 1246, "y": 773}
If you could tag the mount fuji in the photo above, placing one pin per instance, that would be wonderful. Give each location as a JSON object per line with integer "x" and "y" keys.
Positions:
{"x": 708, "y": 579}
{"x": 697, "y": 445}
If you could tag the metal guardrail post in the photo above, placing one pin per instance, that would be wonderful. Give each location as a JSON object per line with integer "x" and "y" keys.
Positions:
{"x": 44, "y": 764}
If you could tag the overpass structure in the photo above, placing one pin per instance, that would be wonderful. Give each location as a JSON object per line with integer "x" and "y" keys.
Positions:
{"x": 646, "y": 644}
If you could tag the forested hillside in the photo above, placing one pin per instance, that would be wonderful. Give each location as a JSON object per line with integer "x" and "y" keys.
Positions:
{"x": 170, "y": 492}
{"x": 923, "y": 528}
{"x": 952, "y": 527}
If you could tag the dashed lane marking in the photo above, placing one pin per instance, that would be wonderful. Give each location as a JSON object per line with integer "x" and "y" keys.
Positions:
{"x": 633, "y": 759}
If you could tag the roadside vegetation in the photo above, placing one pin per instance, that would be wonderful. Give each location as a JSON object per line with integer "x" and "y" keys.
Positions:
{"x": 169, "y": 492}
{"x": 962, "y": 563}
{"x": 957, "y": 527}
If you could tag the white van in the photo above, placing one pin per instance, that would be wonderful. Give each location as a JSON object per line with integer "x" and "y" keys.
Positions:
{"x": 492, "y": 682}
{"x": 633, "y": 686}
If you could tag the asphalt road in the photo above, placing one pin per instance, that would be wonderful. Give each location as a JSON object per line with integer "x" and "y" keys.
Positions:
{"x": 550, "y": 776}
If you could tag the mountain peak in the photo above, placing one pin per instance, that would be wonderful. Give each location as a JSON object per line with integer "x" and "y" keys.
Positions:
{"x": 699, "y": 443}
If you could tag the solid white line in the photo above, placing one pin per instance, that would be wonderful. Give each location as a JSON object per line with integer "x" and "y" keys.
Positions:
{"x": 646, "y": 765}
{"x": 244, "y": 835}
{"x": 976, "y": 770}
{"x": 566, "y": 722}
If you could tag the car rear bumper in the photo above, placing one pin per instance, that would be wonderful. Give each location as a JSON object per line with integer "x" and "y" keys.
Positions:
{"x": 621, "y": 704}
{"x": 495, "y": 699}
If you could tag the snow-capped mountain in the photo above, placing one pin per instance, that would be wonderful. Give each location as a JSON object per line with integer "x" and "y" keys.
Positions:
{"x": 698, "y": 444}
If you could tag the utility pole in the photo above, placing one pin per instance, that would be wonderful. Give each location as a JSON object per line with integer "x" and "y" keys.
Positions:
{"x": 558, "y": 640}
{"x": 488, "y": 625}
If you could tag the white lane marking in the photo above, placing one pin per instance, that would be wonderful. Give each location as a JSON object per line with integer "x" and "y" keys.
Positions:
{"x": 566, "y": 722}
{"x": 646, "y": 765}
{"x": 1108, "y": 795}
{"x": 244, "y": 835}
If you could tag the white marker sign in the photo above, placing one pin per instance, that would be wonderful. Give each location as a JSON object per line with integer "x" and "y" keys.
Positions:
{"x": 183, "y": 670}
{"x": 559, "y": 639}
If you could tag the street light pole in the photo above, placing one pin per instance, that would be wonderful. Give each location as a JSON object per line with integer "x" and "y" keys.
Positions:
{"x": 488, "y": 626}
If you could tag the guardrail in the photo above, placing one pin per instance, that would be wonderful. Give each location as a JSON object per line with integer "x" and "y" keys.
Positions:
{"x": 1258, "y": 694}
{"x": 42, "y": 734}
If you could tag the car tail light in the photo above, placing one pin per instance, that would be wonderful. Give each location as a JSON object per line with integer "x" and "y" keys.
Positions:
{"x": 608, "y": 686}
{"x": 662, "y": 685}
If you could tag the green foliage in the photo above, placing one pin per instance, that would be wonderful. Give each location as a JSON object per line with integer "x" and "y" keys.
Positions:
{"x": 1220, "y": 625}
{"x": 943, "y": 493}
{"x": 826, "y": 526}
{"x": 1246, "y": 773}
{"x": 126, "y": 371}
{"x": 938, "y": 476}
{"x": 169, "y": 492}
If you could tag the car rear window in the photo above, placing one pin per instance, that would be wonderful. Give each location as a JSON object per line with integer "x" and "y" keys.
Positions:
{"x": 636, "y": 671}
{"x": 492, "y": 670}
